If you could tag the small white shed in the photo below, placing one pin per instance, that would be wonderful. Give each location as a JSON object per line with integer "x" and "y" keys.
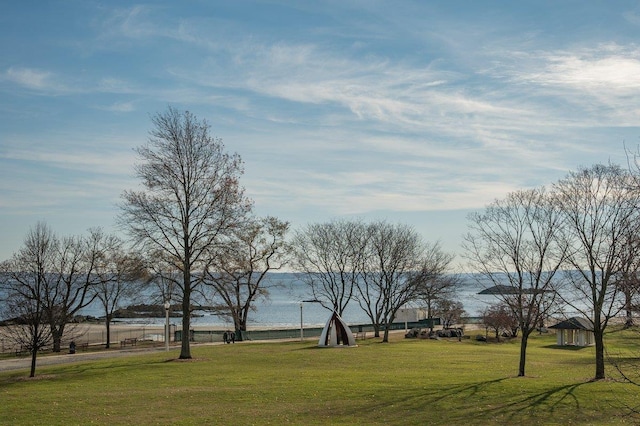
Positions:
{"x": 574, "y": 331}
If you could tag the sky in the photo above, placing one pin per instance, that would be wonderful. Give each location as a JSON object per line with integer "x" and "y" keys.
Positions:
{"x": 416, "y": 112}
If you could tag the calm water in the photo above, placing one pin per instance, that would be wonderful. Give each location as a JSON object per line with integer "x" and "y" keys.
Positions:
{"x": 282, "y": 309}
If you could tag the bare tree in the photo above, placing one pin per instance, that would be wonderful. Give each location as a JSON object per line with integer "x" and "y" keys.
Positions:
{"x": 629, "y": 285}
{"x": 599, "y": 206}
{"x": 121, "y": 276}
{"x": 237, "y": 278}
{"x": 451, "y": 311}
{"x": 25, "y": 283}
{"x": 191, "y": 199}
{"x": 330, "y": 258}
{"x": 70, "y": 283}
{"x": 514, "y": 246}
{"x": 395, "y": 255}
{"x": 500, "y": 318}
{"x": 628, "y": 280}
{"x": 433, "y": 282}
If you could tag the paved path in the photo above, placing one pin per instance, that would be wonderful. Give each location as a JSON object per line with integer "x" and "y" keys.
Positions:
{"x": 20, "y": 363}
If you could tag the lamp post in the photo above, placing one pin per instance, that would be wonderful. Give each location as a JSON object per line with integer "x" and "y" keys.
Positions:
{"x": 301, "y": 323}
{"x": 167, "y": 305}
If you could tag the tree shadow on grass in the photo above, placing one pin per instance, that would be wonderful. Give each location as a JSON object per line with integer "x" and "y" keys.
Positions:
{"x": 572, "y": 348}
{"x": 474, "y": 409}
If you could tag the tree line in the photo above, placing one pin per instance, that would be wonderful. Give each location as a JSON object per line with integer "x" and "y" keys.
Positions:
{"x": 193, "y": 233}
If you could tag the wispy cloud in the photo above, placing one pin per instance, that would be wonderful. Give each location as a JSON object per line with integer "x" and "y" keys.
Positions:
{"x": 609, "y": 67}
{"x": 131, "y": 22}
{"x": 119, "y": 107}
{"x": 108, "y": 163}
{"x": 29, "y": 78}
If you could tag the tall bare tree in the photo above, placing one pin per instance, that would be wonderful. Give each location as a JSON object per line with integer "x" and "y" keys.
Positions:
{"x": 238, "y": 277}
{"x": 435, "y": 285}
{"x": 514, "y": 245}
{"x": 395, "y": 255}
{"x": 600, "y": 209}
{"x": 25, "y": 278}
{"x": 121, "y": 276}
{"x": 191, "y": 200}
{"x": 330, "y": 257}
{"x": 628, "y": 279}
{"x": 69, "y": 288}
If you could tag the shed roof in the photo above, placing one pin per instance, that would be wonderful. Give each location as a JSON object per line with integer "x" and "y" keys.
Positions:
{"x": 574, "y": 323}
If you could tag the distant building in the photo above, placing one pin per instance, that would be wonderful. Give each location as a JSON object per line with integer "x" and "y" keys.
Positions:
{"x": 410, "y": 314}
{"x": 574, "y": 331}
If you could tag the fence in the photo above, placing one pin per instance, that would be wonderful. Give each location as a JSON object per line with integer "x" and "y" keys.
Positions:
{"x": 208, "y": 336}
{"x": 86, "y": 335}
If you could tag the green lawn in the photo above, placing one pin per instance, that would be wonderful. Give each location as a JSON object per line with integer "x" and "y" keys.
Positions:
{"x": 403, "y": 382}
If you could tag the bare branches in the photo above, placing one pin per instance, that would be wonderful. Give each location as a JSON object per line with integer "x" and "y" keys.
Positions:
{"x": 515, "y": 242}
{"x": 330, "y": 256}
{"x": 587, "y": 225}
{"x": 237, "y": 276}
{"x": 600, "y": 212}
{"x": 191, "y": 202}
{"x": 26, "y": 284}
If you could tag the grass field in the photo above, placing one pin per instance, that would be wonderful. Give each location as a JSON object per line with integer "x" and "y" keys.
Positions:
{"x": 403, "y": 382}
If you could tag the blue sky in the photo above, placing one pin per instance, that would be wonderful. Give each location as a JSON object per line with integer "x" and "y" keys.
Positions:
{"x": 416, "y": 112}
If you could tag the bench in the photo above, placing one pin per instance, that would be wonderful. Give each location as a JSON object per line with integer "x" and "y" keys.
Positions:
{"x": 132, "y": 341}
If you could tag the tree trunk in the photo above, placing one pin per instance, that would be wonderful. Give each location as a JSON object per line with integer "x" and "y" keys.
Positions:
{"x": 628, "y": 308}
{"x": 599, "y": 339}
{"x": 56, "y": 334}
{"x": 629, "y": 319}
{"x": 376, "y": 330}
{"x": 34, "y": 354}
{"x": 430, "y": 316}
{"x": 241, "y": 327}
{"x": 385, "y": 338}
{"x": 629, "y": 322}
{"x": 108, "y": 325}
{"x": 523, "y": 353}
{"x": 185, "y": 349}
{"x": 35, "y": 344}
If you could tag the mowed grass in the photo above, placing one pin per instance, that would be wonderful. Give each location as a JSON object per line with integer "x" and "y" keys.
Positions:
{"x": 403, "y": 382}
